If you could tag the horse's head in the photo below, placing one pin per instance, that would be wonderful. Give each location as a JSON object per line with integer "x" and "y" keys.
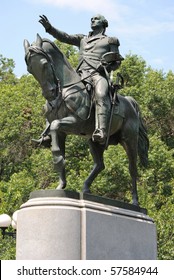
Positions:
{"x": 41, "y": 66}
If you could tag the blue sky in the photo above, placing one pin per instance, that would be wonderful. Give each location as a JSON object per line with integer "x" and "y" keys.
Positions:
{"x": 144, "y": 27}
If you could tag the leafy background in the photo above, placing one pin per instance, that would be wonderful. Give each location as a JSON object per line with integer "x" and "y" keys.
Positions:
{"x": 24, "y": 168}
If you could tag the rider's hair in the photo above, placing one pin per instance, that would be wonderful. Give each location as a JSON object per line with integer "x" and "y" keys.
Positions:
{"x": 105, "y": 22}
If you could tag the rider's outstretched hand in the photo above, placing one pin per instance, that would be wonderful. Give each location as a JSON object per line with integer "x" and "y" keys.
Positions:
{"x": 45, "y": 22}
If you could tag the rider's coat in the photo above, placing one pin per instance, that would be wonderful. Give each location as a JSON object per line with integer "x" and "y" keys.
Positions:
{"x": 91, "y": 48}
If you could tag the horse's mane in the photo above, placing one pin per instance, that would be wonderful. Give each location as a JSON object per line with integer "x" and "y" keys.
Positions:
{"x": 59, "y": 52}
{"x": 52, "y": 44}
{"x": 57, "y": 59}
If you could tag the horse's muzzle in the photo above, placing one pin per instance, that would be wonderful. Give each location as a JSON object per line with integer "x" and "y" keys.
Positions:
{"x": 50, "y": 93}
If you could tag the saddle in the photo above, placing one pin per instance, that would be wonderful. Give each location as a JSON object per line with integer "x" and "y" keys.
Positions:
{"x": 81, "y": 104}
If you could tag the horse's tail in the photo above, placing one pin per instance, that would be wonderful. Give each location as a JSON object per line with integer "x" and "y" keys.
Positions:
{"x": 143, "y": 140}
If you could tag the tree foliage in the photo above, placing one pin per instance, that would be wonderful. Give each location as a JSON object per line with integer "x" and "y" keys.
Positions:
{"x": 6, "y": 70}
{"x": 24, "y": 168}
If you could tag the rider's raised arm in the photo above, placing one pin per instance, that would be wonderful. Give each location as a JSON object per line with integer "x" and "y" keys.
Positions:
{"x": 60, "y": 35}
{"x": 66, "y": 38}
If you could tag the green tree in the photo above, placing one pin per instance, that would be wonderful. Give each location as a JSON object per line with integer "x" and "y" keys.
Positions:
{"x": 133, "y": 70}
{"x": 70, "y": 51}
{"x": 24, "y": 168}
{"x": 156, "y": 191}
{"x": 6, "y": 70}
{"x": 159, "y": 100}
{"x": 20, "y": 104}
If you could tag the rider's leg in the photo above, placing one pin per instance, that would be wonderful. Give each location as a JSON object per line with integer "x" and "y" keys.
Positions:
{"x": 102, "y": 109}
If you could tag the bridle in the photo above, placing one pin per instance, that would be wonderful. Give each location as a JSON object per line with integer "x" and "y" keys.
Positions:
{"x": 58, "y": 93}
{"x": 40, "y": 51}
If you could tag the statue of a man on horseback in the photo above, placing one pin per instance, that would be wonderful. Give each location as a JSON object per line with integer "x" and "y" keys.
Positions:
{"x": 98, "y": 56}
{"x": 68, "y": 104}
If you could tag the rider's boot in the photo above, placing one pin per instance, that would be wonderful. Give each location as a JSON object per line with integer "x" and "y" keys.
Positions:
{"x": 100, "y": 133}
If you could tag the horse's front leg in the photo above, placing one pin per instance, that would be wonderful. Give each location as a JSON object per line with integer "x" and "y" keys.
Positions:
{"x": 59, "y": 130}
{"x": 62, "y": 174}
{"x": 58, "y": 152}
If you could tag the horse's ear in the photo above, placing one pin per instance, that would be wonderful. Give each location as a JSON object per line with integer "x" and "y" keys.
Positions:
{"x": 26, "y": 45}
{"x": 38, "y": 41}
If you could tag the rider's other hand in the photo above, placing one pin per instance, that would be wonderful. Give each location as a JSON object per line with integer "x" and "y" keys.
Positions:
{"x": 45, "y": 22}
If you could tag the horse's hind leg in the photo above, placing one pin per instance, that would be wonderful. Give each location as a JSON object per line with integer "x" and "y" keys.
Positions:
{"x": 131, "y": 150}
{"x": 97, "y": 151}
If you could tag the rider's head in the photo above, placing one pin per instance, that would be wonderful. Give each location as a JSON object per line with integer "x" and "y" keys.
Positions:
{"x": 99, "y": 21}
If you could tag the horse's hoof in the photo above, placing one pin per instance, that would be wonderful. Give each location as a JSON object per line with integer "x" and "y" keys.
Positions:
{"x": 59, "y": 160}
{"x": 136, "y": 204}
{"x": 86, "y": 190}
{"x": 61, "y": 187}
{"x": 42, "y": 142}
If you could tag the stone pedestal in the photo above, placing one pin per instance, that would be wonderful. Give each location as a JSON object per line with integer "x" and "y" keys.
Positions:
{"x": 63, "y": 225}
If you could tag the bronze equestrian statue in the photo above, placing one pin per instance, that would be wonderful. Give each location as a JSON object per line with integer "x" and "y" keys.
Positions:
{"x": 70, "y": 110}
{"x": 91, "y": 51}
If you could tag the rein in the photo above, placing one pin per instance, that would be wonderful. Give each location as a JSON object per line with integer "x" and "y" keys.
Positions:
{"x": 39, "y": 50}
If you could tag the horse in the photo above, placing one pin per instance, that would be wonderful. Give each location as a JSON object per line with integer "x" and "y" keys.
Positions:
{"x": 69, "y": 112}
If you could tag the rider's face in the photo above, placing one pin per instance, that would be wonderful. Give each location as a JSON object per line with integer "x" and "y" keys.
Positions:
{"x": 96, "y": 22}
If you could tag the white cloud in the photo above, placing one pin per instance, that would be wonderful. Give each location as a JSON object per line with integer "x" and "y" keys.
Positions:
{"x": 130, "y": 19}
{"x": 158, "y": 61}
{"x": 151, "y": 28}
{"x": 110, "y": 8}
